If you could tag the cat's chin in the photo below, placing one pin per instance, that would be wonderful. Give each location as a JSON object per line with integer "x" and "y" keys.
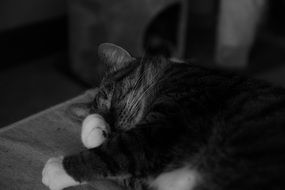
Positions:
{"x": 94, "y": 131}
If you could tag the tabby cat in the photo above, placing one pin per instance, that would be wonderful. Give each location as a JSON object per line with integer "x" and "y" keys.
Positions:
{"x": 178, "y": 126}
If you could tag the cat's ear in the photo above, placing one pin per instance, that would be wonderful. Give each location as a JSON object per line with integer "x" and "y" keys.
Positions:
{"x": 114, "y": 56}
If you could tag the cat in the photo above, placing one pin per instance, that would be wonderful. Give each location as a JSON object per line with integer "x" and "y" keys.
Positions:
{"x": 167, "y": 125}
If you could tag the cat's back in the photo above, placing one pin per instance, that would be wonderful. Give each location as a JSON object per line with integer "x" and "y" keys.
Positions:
{"x": 240, "y": 123}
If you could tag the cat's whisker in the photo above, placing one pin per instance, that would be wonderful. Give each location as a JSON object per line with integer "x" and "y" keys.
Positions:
{"x": 152, "y": 83}
{"x": 142, "y": 74}
{"x": 135, "y": 87}
{"x": 133, "y": 92}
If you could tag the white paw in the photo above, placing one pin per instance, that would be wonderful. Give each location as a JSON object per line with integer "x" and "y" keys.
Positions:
{"x": 94, "y": 131}
{"x": 55, "y": 177}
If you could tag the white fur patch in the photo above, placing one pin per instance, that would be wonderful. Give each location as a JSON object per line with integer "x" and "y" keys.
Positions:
{"x": 177, "y": 60}
{"x": 92, "y": 131}
{"x": 180, "y": 179}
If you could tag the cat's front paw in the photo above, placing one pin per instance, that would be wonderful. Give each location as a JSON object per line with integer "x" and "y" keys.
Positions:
{"x": 54, "y": 175}
{"x": 94, "y": 131}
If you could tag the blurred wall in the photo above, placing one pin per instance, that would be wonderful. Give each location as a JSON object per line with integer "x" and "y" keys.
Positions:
{"x": 15, "y": 13}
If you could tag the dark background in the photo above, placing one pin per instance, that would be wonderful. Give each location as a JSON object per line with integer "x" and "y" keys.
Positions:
{"x": 35, "y": 68}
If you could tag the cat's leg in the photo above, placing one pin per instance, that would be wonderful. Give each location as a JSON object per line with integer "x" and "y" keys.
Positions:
{"x": 94, "y": 128}
{"x": 94, "y": 131}
{"x": 136, "y": 152}
{"x": 55, "y": 177}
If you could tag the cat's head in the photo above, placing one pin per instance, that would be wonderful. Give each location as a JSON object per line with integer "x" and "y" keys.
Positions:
{"x": 127, "y": 88}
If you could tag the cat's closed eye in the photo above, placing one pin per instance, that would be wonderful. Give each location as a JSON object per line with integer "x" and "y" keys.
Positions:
{"x": 102, "y": 94}
{"x": 102, "y": 101}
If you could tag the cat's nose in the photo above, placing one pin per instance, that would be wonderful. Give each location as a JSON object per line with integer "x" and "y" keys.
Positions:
{"x": 95, "y": 131}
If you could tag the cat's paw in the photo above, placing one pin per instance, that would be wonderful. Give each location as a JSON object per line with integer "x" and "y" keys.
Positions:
{"x": 54, "y": 175}
{"x": 94, "y": 131}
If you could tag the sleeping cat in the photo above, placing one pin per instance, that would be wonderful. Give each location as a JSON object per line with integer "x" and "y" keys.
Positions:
{"x": 158, "y": 124}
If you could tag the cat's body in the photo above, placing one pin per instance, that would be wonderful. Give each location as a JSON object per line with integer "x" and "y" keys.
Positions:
{"x": 183, "y": 127}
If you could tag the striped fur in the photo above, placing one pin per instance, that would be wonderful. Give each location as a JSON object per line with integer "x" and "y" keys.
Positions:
{"x": 166, "y": 116}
